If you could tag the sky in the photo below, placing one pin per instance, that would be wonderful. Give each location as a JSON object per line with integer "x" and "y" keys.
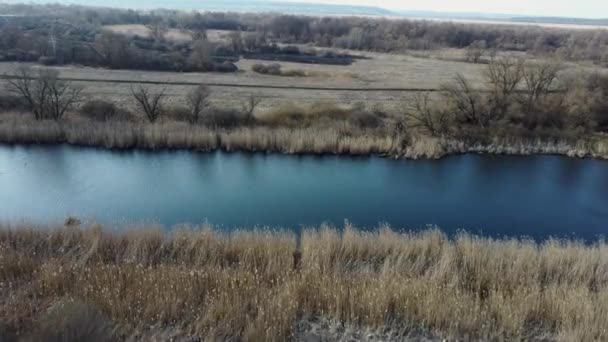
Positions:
{"x": 562, "y": 8}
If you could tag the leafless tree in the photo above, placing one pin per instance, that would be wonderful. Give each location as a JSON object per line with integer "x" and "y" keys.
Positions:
{"x": 62, "y": 95}
{"x": 198, "y": 34}
{"x": 158, "y": 30}
{"x": 198, "y": 100}
{"x": 466, "y": 102}
{"x": 236, "y": 41}
{"x": 47, "y": 96}
{"x": 421, "y": 114}
{"x": 539, "y": 80}
{"x": 250, "y": 105}
{"x": 201, "y": 56}
{"x": 150, "y": 102}
{"x": 21, "y": 83}
{"x": 113, "y": 49}
{"x": 503, "y": 76}
{"x": 475, "y": 51}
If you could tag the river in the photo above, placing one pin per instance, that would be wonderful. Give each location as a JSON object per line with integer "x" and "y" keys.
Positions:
{"x": 537, "y": 196}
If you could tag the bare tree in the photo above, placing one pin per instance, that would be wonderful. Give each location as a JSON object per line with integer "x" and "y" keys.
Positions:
{"x": 475, "y": 51}
{"x": 420, "y": 113}
{"x": 503, "y": 76}
{"x": 47, "y": 96}
{"x": 539, "y": 80}
{"x": 249, "y": 106}
{"x": 467, "y": 103}
{"x": 198, "y": 100}
{"x": 236, "y": 41}
{"x": 198, "y": 34}
{"x": 113, "y": 49}
{"x": 62, "y": 95}
{"x": 21, "y": 83}
{"x": 158, "y": 30}
{"x": 149, "y": 102}
{"x": 201, "y": 57}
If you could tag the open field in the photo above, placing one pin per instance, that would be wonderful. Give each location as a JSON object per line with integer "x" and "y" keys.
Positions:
{"x": 381, "y": 71}
{"x": 379, "y": 78}
{"x": 101, "y": 285}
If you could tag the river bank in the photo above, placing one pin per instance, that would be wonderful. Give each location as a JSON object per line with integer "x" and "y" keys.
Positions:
{"x": 248, "y": 284}
{"x": 316, "y": 140}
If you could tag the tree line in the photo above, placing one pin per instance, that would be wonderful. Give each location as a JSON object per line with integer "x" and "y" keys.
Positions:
{"x": 48, "y": 97}
{"x": 536, "y": 99}
{"x": 358, "y": 33}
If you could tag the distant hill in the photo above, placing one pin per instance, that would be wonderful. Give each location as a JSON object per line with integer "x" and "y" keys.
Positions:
{"x": 561, "y": 20}
{"x": 277, "y": 6}
{"x": 231, "y": 6}
{"x": 454, "y": 15}
{"x": 288, "y": 7}
{"x": 499, "y": 17}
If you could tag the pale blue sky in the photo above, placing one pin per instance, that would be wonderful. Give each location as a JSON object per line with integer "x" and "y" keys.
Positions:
{"x": 563, "y": 8}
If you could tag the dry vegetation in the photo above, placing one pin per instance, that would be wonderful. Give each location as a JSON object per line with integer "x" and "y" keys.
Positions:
{"x": 100, "y": 285}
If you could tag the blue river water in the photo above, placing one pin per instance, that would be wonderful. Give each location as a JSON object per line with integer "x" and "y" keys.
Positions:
{"x": 535, "y": 196}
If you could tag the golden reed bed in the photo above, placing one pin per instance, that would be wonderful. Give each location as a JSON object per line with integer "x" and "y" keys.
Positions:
{"x": 248, "y": 285}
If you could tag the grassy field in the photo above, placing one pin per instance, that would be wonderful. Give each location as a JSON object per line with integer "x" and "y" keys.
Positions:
{"x": 95, "y": 284}
{"x": 379, "y": 72}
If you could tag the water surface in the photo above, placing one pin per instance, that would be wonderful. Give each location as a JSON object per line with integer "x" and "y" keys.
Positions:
{"x": 495, "y": 195}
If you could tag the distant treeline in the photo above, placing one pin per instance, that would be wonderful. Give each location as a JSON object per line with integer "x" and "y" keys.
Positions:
{"x": 358, "y": 33}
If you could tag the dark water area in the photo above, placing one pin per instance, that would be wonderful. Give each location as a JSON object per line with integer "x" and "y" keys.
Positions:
{"x": 538, "y": 196}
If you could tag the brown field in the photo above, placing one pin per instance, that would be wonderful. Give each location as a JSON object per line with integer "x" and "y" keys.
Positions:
{"x": 379, "y": 72}
{"x": 408, "y": 70}
{"x": 202, "y": 284}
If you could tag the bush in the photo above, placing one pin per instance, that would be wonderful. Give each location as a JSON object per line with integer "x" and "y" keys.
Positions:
{"x": 69, "y": 320}
{"x": 288, "y": 115}
{"x": 364, "y": 119}
{"x": 291, "y": 115}
{"x": 275, "y": 69}
{"x": 178, "y": 113}
{"x": 225, "y": 67}
{"x": 12, "y": 102}
{"x": 294, "y": 73}
{"x": 271, "y": 69}
{"x": 47, "y": 60}
{"x": 99, "y": 110}
{"x": 224, "y": 118}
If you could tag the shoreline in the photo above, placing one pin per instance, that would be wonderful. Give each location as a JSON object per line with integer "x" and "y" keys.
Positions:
{"x": 314, "y": 141}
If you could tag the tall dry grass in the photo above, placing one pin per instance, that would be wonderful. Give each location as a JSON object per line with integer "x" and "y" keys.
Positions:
{"x": 319, "y": 136}
{"x": 243, "y": 285}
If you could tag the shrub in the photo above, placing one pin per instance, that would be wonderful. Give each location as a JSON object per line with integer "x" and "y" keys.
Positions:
{"x": 47, "y": 60}
{"x": 68, "y": 320}
{"x": 225, "y": 67}
{"x": 12, "y": 102}
{"x": 275, "y": 69}
{"x": 179, "y": 113}
{"x": 99, "y": 110}
{"x": 364, "y": 119}
{"x": 224, "y": 118}
{"x": 289, "y": 115}
{"x": 294, "y": 73}
{"x": 271, "y": 69}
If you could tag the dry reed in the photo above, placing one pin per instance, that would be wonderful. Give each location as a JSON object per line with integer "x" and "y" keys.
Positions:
{"x": 243, "y": 285}
{"x": 325, "y": 138}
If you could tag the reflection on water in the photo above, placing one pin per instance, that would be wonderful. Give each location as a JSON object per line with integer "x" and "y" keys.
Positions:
{"x": 495, "y": 195}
